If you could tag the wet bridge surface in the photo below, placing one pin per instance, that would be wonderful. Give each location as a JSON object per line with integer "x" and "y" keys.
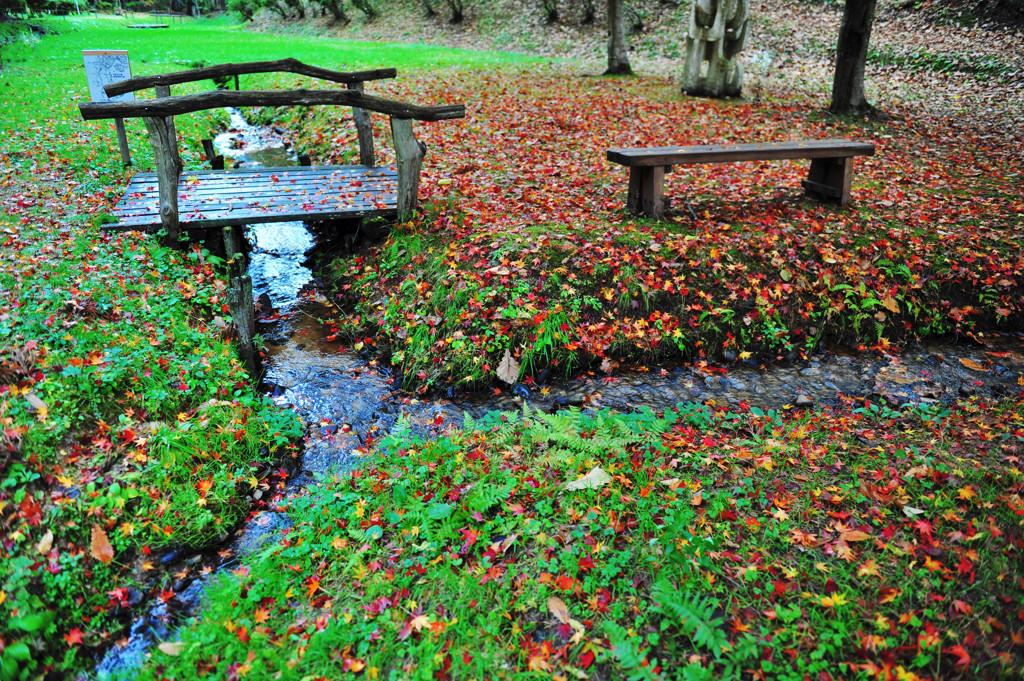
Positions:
{"x": 215, "y": 198}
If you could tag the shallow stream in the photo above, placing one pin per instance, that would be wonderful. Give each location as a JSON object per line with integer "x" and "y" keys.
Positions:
{"x": 349, "y": 401}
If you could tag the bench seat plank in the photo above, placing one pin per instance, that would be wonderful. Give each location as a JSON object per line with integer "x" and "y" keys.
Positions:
{"x": 830, "y": 175}
{"x": 730, "y": 153}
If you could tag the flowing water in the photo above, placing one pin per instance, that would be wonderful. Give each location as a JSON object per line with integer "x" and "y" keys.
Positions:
{"x": 349, "y": 401}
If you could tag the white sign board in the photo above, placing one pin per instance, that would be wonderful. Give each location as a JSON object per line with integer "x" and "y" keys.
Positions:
{"x": 103, "y": 67}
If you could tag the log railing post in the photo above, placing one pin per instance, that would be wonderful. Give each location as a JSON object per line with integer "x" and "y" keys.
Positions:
{"x": 409, "y": 153}
{"x": 364, "y": 129}
{"x": 168, "y": 171}
{"x": 165, "y": 91}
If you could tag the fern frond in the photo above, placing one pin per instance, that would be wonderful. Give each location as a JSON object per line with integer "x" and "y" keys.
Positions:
{"x": 694, "y": 615}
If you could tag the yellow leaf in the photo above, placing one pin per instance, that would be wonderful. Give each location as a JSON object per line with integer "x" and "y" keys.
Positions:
{"x": 869, "y": 569}
{"x": 45, "y": 543}
{"x": 855, "y": 535}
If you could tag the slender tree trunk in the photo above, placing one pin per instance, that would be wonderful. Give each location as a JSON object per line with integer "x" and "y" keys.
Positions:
{"x": 618, "y": 48}
{"x": 851, "y": 57}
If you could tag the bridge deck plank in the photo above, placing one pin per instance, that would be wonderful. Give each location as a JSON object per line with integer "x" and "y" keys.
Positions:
{"x": 214, "y": 198}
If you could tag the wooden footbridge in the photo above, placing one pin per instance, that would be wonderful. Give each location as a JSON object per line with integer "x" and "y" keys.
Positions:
{"x": 174, "y": 201}
{"x": 206, "y": 199}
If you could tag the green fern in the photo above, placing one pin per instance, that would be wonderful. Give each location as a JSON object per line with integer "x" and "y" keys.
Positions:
{"x": 629, "y": 657}
{"x": 486, "y": 495}
{"x": 694, "y": 615}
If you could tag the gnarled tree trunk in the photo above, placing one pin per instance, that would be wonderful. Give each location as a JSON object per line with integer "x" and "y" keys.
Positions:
{"x": 618, "y": 48}
{"x": 851, "y": 56}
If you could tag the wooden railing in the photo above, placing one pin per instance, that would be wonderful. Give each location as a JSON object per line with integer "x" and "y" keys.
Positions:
{"x": 158, "y": 116}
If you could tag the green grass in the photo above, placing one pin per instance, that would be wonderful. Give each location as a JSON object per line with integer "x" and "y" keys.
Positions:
{"x": 709, "y": 544}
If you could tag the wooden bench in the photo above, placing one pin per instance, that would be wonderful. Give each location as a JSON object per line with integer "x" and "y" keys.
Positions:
{"x": 830, "y": 176}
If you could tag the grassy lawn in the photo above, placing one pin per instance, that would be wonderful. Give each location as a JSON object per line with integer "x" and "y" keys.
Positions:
{"x": 857, "y": 542}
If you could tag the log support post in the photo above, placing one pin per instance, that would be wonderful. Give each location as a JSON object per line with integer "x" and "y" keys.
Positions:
{"x": 364, "y": 129}
{"x": 168, "y": 170}
{"x": 239, "y": 296}
{"x": 647, "y": 191}
{"x": 830, "y": 178}
{"x": 409, "y": 153}
{"x": 216, "y": 160}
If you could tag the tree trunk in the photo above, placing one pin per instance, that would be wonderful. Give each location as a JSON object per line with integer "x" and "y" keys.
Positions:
{"x": 851, "y": 56}
{"x": 618, "y": 49}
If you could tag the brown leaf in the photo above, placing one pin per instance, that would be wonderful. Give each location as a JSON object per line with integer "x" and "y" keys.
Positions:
{"x": 45, "y": 543}
{"x": 100, "y": 548}
{"x": 971, "y": 364}
{"x": 891, "y": 305}
{"x": 855, "y": 535}
{"x": 508, "y": 370}
{"x": 559, "y": 609}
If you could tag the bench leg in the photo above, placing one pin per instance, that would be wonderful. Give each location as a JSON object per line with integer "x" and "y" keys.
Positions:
{"x": 830, "y": 178}
{"x": 646, "y": 191}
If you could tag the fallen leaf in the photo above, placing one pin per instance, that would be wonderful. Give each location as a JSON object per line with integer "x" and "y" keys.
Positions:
{"x": 508, "y": 370}
{"x": 100, "y": 547}
{"x": 971, "y": 364}
{"x": 592, "y": 480}
{"x": 910, "y": 511}
{"x": 869, "y": 569}
{"x": 558, "y": 608}
{"x": 890, "y": 304}
{"x": 172, "y": 648}
{"x": 37, "y": 404}
{"x": 45, "y": 543}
